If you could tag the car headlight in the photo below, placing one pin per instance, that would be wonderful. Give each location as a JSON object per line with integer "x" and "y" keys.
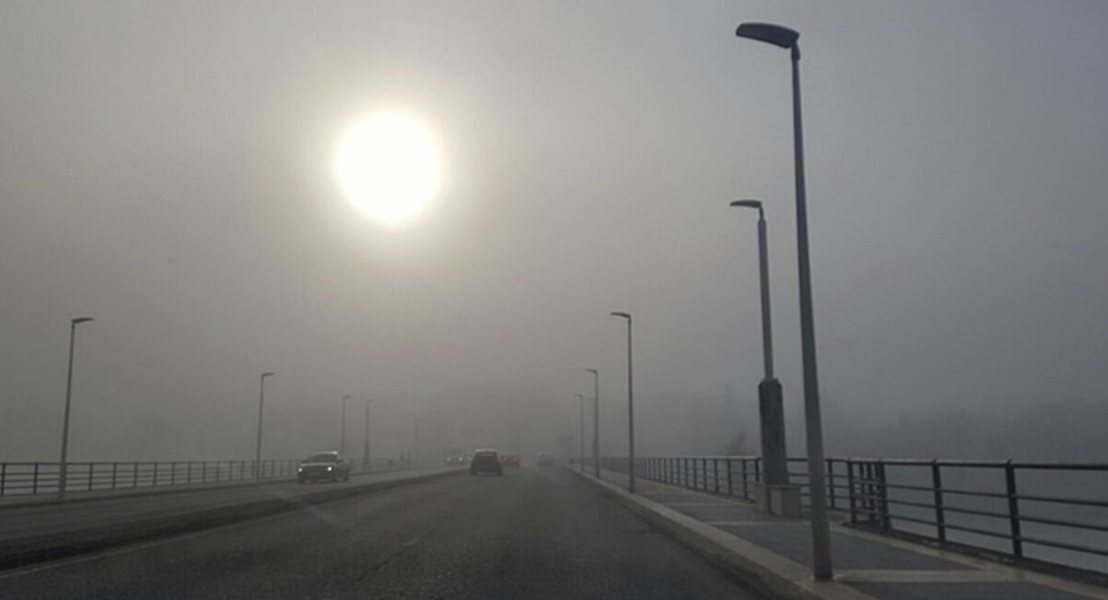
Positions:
{"x": 328, "y": 468}
{"x": 299, "y": 469}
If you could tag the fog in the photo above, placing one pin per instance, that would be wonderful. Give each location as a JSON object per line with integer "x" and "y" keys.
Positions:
{"x": 167, "y": 169}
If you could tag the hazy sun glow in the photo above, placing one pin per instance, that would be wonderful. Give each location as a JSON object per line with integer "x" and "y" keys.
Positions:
{"x": 389, "y": 165}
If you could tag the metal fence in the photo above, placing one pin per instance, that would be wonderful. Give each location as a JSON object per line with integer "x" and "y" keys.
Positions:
{"x": 27, "y": 478}
{"x": 1054, "y": 513}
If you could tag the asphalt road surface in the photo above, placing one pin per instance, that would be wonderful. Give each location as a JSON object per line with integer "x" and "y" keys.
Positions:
{"x": 534, "y": 533}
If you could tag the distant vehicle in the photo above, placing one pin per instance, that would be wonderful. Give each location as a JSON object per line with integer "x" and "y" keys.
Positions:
{"x": 456, "y": 458}
{"x": 323, "y": 465}
{"x": 510, "y": 460}
{"x": 545, "y": 459}
{"x": 485, "y": 461}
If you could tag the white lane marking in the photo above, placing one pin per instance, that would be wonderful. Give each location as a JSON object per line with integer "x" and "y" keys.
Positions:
{"x": 701, "y": 504}
{"x": 416, "y": 539}
{"x": 718, "y": 523}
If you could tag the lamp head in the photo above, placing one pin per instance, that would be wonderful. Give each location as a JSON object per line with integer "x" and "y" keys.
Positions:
{"x": 768, "y": 33}
{"x": 621, "y": 314}
{"x": 80, "y": 320}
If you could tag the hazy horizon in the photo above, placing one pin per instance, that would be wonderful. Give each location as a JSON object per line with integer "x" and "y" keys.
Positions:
{"x": 168, "y": 170}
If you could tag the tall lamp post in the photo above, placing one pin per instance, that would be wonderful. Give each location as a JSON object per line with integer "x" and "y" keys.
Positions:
{"x": 581, "y": 439}
{"x": 365, "y": 449}
{"x": 630, "y": 404}
{"x": 770, "y": 409}
{"x": 261, "y": 405}
{"x": 342, "y": 435}
{"x": 595, "y": 420}
{"x": 63, "y": 465}
{"x": 821, "y": 534}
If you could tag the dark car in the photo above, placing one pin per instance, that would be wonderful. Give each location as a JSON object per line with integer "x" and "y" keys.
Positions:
{"x": 485, "y": 461}
{"x": 330, "y": 466}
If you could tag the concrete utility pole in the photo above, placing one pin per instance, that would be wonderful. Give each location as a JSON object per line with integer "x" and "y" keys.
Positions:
{"x": 366, "y": 465}
{"x": 630, "y": 405}
{"x": 342, "y": 435}
{"x": 595, "y": 420}
{"x": 63, "y": 464}
{"x": 770, "y": 404}
{"x": 261, "y": 406}
{"x": 821, "y": 531}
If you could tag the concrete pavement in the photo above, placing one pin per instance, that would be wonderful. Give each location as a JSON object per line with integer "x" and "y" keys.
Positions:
{"x": 534, "y": 533}
{"x": 773, "y": 554}
{"x": 47, "y": 531}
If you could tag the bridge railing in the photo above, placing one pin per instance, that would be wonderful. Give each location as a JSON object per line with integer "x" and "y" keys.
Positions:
{"x": 1053, "y": 513}
{"x": 28, "y": 478}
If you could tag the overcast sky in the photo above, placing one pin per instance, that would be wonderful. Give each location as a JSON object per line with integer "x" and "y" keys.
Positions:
{"x": 167, "y": 169}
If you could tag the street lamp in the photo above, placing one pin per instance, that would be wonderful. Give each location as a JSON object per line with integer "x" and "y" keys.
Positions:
{"x": 63, "y": 465}
{"x": 770, "y": 410}
{"x": 342, "y": 435}
{"x": 365, "y": 450}
{"x": 581, "y": 440}
{"x": 261, "y": 404}
{"x": 630, "y": 404}
{"x": 821, "y": 534}
{"x": 595, "y": 420}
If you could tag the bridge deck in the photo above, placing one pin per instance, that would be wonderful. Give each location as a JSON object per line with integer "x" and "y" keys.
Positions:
{"x": 867, "y": 566}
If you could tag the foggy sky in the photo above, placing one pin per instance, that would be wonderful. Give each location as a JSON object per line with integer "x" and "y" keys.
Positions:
{"x": 166, "y": 168}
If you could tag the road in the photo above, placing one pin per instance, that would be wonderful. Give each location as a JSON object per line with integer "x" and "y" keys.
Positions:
{"x": 131, "y": 506}
{"x": 534, "y": 533}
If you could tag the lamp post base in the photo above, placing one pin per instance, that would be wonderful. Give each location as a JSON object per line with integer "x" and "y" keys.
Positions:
{"x": 779, "y": 500}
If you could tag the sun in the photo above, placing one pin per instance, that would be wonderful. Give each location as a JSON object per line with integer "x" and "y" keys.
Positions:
{"x": 388, "y": 164}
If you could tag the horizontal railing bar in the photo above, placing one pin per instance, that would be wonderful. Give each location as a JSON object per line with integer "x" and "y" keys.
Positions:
{"x": 1064, "y": 545}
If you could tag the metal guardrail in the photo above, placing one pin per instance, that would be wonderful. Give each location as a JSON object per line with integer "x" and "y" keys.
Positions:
{"x": 1055, "y": 513}
{"x": 28, "y": 478}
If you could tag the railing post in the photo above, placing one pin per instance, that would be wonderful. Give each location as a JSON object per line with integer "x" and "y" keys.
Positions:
{"x": 730, "y": 488}
{"x": 1013, "y": 509}
{"x": 155, "y": 483}
{"x": 831, "y": 481}
{"x": 34, "y": 479}
{"x": 134, "y": 474}
{"x": 746, "y": 484}
{"x": 115, "y": 473}
{"x": 868, "y": 492}
{"x": 3, "y": 477}
{"x": 850, "y": 491}
{"x": 884, "y": 494}
{"x": 91, "y": 466}
{"x": 715, "y": 472}
{"x": 757, "y": 470}
{"x": 937, "y": 484}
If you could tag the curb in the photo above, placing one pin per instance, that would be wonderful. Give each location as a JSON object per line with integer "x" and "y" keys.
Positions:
{"x": 28, "y": 551}
{"x": 758, "y": 569}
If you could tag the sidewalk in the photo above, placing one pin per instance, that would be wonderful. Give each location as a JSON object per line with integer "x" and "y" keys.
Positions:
{"x": 773, "y": 554}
